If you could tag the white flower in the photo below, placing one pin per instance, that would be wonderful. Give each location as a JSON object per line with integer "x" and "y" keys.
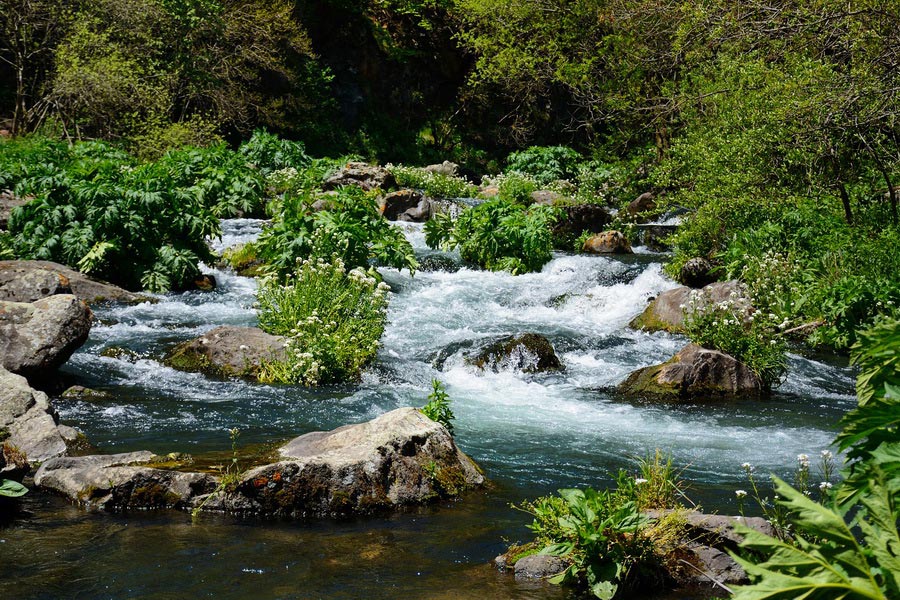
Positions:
{"x": 825, "y": 485}
{"x": 803, "y": 459}
{"x": 639, "y": 481}
{"x": 740, "y": 493}
{"x": 747, "y": 466}
{"x": 827, "y": 455}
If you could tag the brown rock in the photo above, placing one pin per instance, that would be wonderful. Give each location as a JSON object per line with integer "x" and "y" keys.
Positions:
{"x": 666, "y": 312}
{"x": 692, "y": 374}
{"x": 406, "y": 205}
{"x": 545, "y": 197}
{"x": 607, "y": 242}
{"x": 366, "y": 176}
{"x": 29, "y": 280}
{"x": 646, "y": 202}
{"x": 227, "y": 351}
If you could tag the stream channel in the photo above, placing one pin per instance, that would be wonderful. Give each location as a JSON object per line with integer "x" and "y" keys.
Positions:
{"x": 533, "y": 434}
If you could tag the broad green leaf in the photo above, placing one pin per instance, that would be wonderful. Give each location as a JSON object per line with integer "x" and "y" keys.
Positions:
{"x": 12, "y": 489}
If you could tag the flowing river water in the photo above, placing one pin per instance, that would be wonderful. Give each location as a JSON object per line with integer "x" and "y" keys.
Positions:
{"x": 532, "y": 434}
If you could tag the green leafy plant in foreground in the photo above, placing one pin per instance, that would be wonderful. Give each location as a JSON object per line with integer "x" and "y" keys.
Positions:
{"x": 497, "y": 235}
{"x": 849, "y": 547}
{"x": 331, "y": 318}
{"x": 438, "y": 407}
{"x": 12, "y": 489}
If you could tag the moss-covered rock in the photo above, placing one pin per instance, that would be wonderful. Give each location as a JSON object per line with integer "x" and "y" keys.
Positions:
{"x": 227, "y": 352}
{"x": 528, "y": 352}
{"x": 695, "y": 373}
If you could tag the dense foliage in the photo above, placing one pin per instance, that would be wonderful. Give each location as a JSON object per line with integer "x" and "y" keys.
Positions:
{"x": 849, "y": 547}
{"x": 497, "y": 235}
{"x": 331, "y": 317}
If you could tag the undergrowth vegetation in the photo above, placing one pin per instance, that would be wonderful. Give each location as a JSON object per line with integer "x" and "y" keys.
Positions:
{"x": 497, "y": 235}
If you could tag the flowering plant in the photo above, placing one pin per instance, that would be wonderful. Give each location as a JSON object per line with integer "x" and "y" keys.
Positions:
{"x": 331, "y": 318}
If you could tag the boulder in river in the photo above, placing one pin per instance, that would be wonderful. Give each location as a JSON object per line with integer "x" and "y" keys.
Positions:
{"x": 607, "y": 242}
{"x": 121, "y": 482}
{"x": 697, "y": 273}
{"x": 400, "y": 458}
{"x": 364, "y": 175}
{"x": 406, "y": 205}
{"x": 28, "y": 424}
{"x": 30, "y": 280}
{"x": 37, "y": 337}
{"x": 666, "y": 312}
{"x": 539, "y": 566}
{"x": 694, "y": 373}
{"x": 227, "y": 351}
{"x": 528, "y": 353}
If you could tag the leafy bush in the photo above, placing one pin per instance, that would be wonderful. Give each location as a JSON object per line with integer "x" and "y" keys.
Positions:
{"x": 851, "y": 548}
{"x": 752, "y": 339}
{"x": 515, "y": 188}
{"x": 434, "y": 185}
{"x": 497, "y": 235}
{"x": 94, "y": 209}
{"x": 604, "y": 536}
{"x": 268, "y": 152}
{"x": 351, "y": 228}
{"x": 332, "y": 319}
{"x": 438, "y": 407}
{"x": 545, "y": 164}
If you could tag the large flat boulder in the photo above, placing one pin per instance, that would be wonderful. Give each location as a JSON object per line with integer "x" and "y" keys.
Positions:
{"x": 398, "y": 459}
{"x": 28, "y": 423}
{"x": 227, "y": 351}
{"x": 121, "y": 482}
{"x": 694, "y": 373}
{"x": 366, "y": 176}
{"x": 666, "y": 312}
{"x": 36, "y": 338}
{"x": 30, "y": 280}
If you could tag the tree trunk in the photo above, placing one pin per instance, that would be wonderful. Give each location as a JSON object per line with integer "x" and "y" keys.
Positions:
{"x": 845, "y": 200}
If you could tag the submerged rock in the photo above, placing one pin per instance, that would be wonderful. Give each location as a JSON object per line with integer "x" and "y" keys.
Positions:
{"x": 227, "y": 351}
{"x": 528, "y": 353}
{"x": 121, "y": 482}
{"x": 37, "y": 337}
{"x": 694, "y": 373}
{"x": 28, "y": 423}
{"x": 666, "y": 312}
{"x": 364, "y": 175}
{"x": 539, "y": 566}
{"x": 30, "y": 280}
{"x": 399, "y": 459}
{"x": 607, "y": 242}
{"x": 79, "y": 392}
{"x": 406, "y": 205}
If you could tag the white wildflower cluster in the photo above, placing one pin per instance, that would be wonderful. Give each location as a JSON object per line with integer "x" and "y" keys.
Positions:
{"x": 803, "y": 461}
{"x": 435, "y": 185}
{"x": 282, "y": 179}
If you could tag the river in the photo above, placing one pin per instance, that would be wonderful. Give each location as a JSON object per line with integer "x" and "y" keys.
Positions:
{"x": 532, "y": 434}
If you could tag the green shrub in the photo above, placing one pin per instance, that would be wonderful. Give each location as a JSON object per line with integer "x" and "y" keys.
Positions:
{"x": 545, "y": 164}
{"x": 351, "y": 228}
{"x": 438, "y": 407}
{"x": 434, "y": 185}
{"x": 158, "y": 136}
{"x": 849, "y": 549}
{"x": 497, "y": 235}
{"x": 752, "y": 339}
{"x": 515, "y": 188}
{"x": 268, "y": 152}
{"x": 332, "y": 319}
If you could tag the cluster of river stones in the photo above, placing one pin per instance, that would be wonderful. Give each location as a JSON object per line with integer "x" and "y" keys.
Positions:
{"x": 396, "y": 460}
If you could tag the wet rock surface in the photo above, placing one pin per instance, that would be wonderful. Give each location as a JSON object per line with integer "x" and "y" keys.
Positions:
{"x": 666, "y": 312}
{"x": 366, "y": 176}
{"x": 227, "y": 351}
{"x": 607, "y": 242}
{"x": 28, "y": 423}
{"x": 528, "y": 353}
{"x": 692, "y": 374}
{"x": 406, "y": 205}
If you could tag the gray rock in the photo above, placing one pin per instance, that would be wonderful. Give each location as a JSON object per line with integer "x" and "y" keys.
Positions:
{"x": 398, "y": 459}
{"x": 694, "y": 373}
{"x": 713, "y": 564}
{"x": 37, "y": 338}
{"x": 545, "y": 197}
{"x": 227, "y": 351}
{"x": 666, "y": 312}
{"x": 607, "y": 242}
{"x": 646, "y": 202}
{"x": 121, "y": 482}
{"x": 406, "y": 205}
{"x": 538, "y": 566}
{"x": 30, "y": 280}
{"x": 696, "y": 273}
{"x": 450, "y": 169}
{"x": 79, "y": 392}
{"x": 528, "y": 353}
{"x": 366, "y": 176}
{"x": 29, "y": 421}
